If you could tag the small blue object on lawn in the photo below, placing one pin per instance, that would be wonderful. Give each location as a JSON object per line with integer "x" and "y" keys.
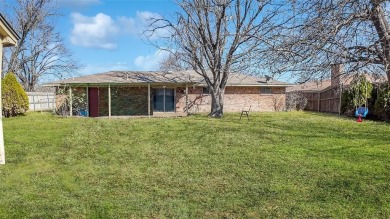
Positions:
{"x": 361, "y": 112}
{"x": 83, "y": 112}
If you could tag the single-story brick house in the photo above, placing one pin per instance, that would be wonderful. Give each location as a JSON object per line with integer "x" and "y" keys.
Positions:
{"x": 135, "y": 93}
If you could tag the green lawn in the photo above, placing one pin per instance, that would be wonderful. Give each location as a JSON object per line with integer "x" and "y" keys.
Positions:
{"x": 275, "y": 165}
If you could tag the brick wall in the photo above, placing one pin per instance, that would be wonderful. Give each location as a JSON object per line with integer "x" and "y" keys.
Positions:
{"x": 129, "y": 101}
{"x": 103, "y": 101}
{"x": 235, "y": 100}
{"x": 125, "y": 101}
{"x": 335, "y": 73}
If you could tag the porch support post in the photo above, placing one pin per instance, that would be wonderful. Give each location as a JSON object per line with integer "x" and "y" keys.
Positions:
{"x": 70, "y": 101}
{"x": 87, "y": 100}
{"x": 149, "y": 100}
{"x": 109, "y": 101}
{"x": 187, "y": 99}
{"x": 2, "y": 150}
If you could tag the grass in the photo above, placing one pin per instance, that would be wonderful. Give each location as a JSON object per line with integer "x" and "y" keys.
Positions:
{"x": 301, "y": 165}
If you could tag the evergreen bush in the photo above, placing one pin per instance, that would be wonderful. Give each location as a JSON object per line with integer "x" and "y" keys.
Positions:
{"x": 360, "y": 90}
{"x": 15, "y": 100}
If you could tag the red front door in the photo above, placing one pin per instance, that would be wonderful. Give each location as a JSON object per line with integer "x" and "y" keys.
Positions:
{"x": 93, "y": 97}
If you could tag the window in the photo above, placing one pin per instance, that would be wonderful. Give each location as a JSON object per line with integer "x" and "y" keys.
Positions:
{"x": 206, "y": 91}
{"x": 265, "y": 90}
{"x": 164, "y": 100}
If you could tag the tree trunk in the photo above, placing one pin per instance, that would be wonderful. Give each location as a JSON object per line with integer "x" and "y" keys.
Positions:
{"x": 381, "y": 24}
{"x": 30, "y": 87}
{"x": 217, "y": 103}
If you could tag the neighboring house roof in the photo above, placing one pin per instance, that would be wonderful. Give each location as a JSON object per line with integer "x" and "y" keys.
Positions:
{"x": 312, "y": 86}
{"x": 10, "y": 37}
{"x": 317, "y": 86}
{"x": 159, "y": 77}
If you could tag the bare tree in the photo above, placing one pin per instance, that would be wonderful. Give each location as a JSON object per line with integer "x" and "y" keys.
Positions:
{"x": 173, "y": 62}
{"x": 217, "y": 37}
{"x": 40, "y": 51}
{"x": 349, "y": 32}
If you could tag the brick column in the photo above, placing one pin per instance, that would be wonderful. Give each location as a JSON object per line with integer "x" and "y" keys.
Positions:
{"x": 335, "y": 74}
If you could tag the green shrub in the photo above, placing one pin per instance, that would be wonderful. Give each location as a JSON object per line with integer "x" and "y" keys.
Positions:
{"x": 15, "y": 100}
{"x": 347, "y": 106}
{"x": 382, "y": 103}
{"x": 360, "y": 90}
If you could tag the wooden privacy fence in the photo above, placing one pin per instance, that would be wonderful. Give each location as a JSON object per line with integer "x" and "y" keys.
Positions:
{"x": 323, "y": 101}
{"x": 41, "y": 101}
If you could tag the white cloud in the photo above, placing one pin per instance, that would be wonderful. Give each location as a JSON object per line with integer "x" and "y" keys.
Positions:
{"x": 150, "y": 62}
{"x": 97, "y": 32}
{"x": 140, "y": 22}
{"x": 76, "y": 4}
{"x": 101, "y": 30}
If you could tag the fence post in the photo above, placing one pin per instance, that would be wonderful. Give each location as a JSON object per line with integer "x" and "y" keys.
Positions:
{"x": 319, "y": 99}
{"x": 48, "y": 102}
{"x": 340, "y": 94}
{"x": 33, "y": 97}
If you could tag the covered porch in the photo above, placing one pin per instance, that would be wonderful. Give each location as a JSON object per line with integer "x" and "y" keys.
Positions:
{"x": 128, "y": 100}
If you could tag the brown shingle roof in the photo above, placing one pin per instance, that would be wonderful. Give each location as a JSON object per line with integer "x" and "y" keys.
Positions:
{"x": 310, "y": 86}
{"x": 345, "y": 80}
{"x": 157, "y": 77}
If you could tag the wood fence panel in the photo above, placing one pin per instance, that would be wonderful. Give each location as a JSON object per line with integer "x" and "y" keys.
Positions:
{"x": 325, "y": 101}
{"x": 41, "y": 101}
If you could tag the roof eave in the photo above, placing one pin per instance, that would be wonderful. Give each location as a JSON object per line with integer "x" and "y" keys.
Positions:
{"x": 259, "y": 85}
{"x": 114, "y": 84}
{"x": 11, "y": 37}
{"x": 159, "y": 83}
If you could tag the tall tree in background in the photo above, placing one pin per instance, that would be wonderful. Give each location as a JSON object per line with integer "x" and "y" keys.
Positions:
{"x": 349, "y": 32}
{"x": 217, "y": 37}
{"x": 173, "y": 62}
{"x": 40, "y": 51}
